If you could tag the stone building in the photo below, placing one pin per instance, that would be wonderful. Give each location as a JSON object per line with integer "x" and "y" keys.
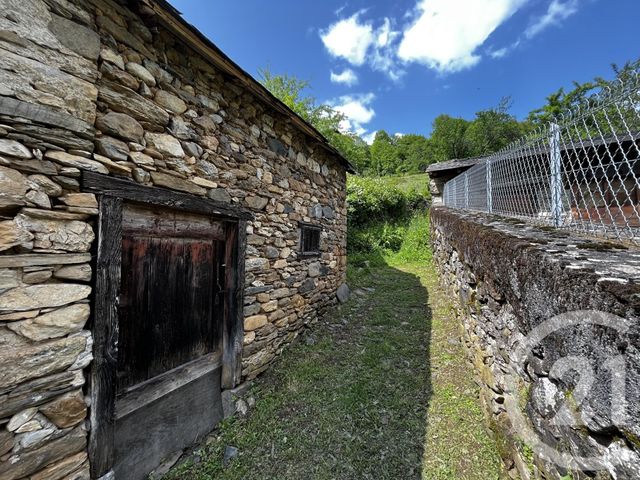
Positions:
{"x": 167, "y": 227}
{"x": 441, "y": 172}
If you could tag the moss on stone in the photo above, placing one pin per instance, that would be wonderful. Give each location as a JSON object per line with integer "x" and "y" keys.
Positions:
{"x": 524, "y": 393}
{"x": 632, "y": 439}
{"x": 602, "y": 246}
{"x": 527, "y": 455}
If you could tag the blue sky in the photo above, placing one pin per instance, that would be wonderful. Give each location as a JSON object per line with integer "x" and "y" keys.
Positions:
{"x": 396, "y": 65}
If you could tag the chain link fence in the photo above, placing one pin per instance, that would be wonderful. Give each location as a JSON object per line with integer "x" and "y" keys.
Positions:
{"x": 580, "y": 173}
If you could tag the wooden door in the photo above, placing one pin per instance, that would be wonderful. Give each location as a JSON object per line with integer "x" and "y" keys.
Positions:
{"x": 170, "y": 319}
{"x": 167, "y": 322}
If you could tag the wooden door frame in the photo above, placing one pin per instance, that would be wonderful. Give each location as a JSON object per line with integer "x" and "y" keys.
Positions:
{"x": 112, "y": 193}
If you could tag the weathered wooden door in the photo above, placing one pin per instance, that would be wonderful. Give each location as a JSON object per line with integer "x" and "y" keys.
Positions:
{"x": 170, "y": 319}
{"x": 167, "y": 322}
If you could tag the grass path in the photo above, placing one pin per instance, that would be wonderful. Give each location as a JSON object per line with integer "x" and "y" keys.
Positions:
{"x": 379, "y": 391}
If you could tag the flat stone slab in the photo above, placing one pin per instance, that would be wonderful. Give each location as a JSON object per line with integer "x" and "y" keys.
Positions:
{"x": 42, "y": 296}
{"x": 34, "y": 260}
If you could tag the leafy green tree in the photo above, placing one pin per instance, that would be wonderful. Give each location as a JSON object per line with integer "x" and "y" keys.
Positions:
{"x": 384, "y": 154}
{"x": 352, "y": 147}
{"x": 561, "y": 102}
{"x": 581, "y": 95}
{"x": 291, "y": 91}
{"x": 451, "y": 137}
{"x": 448, "y": 138}
{"x": 415, "y": 152}
{"x": 493, "y": 130}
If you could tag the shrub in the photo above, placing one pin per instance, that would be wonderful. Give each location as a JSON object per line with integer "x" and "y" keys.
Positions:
{"x": 415, "y": 244}
{"x": 385, "y": 219}
{"x": 371, "y": 200}
{"x": 379, "y": 236}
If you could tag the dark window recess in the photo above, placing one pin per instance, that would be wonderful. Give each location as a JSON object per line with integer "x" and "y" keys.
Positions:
{"x": 309, "y": 240}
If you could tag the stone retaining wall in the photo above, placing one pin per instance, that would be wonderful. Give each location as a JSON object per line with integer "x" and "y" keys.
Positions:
{"x": 509, "y": 279}
{"x": 94, "y": 86}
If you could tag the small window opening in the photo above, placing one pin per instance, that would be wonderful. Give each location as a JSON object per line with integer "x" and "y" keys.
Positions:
{"x": 310, "y": 239}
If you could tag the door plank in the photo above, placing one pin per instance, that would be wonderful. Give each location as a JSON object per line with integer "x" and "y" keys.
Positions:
{"x": 167, "y": 314}
{"x": 179, "y": 419}
{"x": 148, "y": 392}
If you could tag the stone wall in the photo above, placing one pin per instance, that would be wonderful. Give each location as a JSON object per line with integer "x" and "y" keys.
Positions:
{"x": 94, "y": 86}
{"x": 509, "y": 280}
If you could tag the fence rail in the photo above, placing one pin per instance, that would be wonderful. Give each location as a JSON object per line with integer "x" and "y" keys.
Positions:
{"x": 580, "y": 173}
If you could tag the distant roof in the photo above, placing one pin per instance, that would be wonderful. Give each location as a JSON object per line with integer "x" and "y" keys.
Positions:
{"x": 571, "y": 145}
{"x": 173, "y": 21}
{"x": 454, "y": 164}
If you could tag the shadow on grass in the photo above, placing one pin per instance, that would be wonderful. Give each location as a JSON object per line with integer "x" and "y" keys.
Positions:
{"x": 347, "y": 401}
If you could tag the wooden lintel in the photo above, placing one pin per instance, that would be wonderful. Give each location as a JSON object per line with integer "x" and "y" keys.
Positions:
{"x": 128, "y": 190}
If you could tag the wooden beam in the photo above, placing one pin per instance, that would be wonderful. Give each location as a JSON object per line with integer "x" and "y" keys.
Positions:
{"x": 155, "y": 388}
{"x": 128, "y": 190}
{"x": 105, "y": 336}
{"x": 233, "y": 328}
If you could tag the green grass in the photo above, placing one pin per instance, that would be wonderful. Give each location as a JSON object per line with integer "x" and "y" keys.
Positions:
{"x": 383, "y": 393}
{"x": 404, "y": 241}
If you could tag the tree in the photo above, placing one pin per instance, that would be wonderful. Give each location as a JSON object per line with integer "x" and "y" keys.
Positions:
{"x": 415, "y": 152}
{"x": 561, "y": 102}
{"x": 448, "y": 138}
{"x": 384, "y": 154}
{"x": 493, "y": 130}
{"x": 352, "y": 147}
{"x": 581, "y": 95}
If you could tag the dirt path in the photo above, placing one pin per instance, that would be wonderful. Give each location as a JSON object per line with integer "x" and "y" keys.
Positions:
{"x": 379, "y": 391}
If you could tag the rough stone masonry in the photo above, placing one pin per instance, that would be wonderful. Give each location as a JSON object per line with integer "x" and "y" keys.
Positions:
{"x": 94, "y": 85}
{"x": 510, "y": 278}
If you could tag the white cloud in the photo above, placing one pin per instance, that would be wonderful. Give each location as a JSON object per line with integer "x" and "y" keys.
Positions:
{"x": 556, "y": 13}
{"x": 500, "y": 53}
{"x": 358, "y": 42}
{"x": 383, "y": 58}
{"x": 347, "y": 77}
{"x": 504, "y": 51}
{"x": 349, "y": 39}
{"x": 369, "y": 137}
{"x": 446, "y": 33}
{"x": 357, "y": 111}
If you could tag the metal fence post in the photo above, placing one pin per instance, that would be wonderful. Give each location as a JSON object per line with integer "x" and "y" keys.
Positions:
{"x": 455, "y": 193}
{"x": 489, "y": 189}
{"x": 555, "y": 158}
{"x": 466, "y": 190}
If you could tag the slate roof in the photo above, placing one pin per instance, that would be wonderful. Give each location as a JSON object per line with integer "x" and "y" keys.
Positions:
{"x": 454, "y": 164}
